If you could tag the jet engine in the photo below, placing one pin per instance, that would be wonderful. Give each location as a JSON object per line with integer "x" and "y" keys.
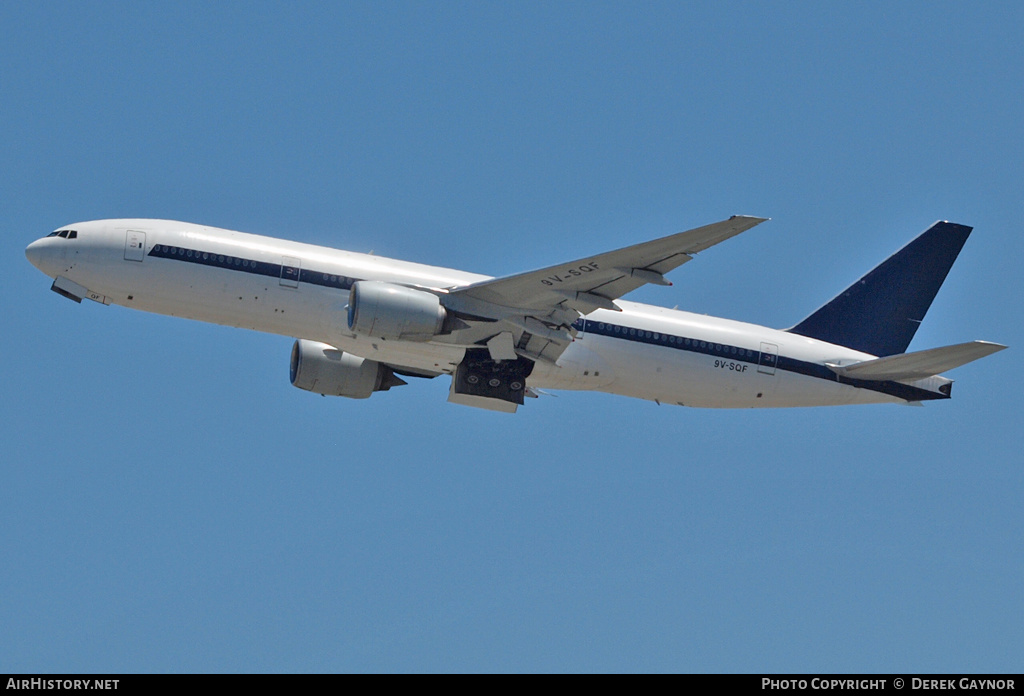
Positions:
{"x": 389, "y": 311}
{"x": 323, "y": 369}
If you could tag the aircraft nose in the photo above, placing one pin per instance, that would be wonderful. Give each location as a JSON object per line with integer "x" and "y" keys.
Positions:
{"x": 46, "y": 255}
{"x": 34, "y": 253}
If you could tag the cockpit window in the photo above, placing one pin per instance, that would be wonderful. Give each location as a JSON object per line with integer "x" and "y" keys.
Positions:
{"x": 66, "y": 234}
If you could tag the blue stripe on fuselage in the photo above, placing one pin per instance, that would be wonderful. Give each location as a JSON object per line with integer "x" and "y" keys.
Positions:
{"x": 626, "y": 333}
{"x": 243, "y": 265}
{"x": 738, "y": 354}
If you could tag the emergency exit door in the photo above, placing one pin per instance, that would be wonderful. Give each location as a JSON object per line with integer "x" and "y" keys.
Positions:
{"x": 290, "y": 267}
{"x": 769, "y": 359}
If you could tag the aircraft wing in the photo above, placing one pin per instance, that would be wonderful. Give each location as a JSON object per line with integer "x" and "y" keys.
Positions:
{"x": 593, "y": 282}
{"x": 544, "y": 303}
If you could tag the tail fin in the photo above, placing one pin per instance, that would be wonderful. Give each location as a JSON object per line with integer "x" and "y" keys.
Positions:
{"x": 880, "y": 313}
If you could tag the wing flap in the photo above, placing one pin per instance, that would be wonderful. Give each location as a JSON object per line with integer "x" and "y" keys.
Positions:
{"x": 920, "y": 364}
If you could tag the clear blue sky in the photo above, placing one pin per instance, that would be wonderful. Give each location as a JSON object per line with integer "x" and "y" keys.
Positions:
{"x": 171, "y": 503}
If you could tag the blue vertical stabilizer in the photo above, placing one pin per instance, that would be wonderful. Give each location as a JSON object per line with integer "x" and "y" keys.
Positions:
{"x": 880, "y": 313}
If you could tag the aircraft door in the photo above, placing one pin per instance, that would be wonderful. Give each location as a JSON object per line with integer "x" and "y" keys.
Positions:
{"x": 135, "y": 246}
{"x": 769, "y": 358}
{"x": 290, "y": 267}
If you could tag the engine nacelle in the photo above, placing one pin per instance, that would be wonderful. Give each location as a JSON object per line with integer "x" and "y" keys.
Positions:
{"x": 389, "y": 311}
{"x": 323, "y": 369}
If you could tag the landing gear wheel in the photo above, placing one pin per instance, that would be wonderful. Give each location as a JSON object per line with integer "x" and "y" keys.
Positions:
{"x": 501, "y": 380}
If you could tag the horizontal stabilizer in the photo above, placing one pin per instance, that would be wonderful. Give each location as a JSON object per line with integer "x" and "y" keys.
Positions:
{"x": 918, "y": 365}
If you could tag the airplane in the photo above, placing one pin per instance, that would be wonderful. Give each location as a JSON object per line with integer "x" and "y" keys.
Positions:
{"x": 362, "y": 323}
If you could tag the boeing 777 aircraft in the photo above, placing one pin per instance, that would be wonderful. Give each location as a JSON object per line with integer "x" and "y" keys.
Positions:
{"x": 364, "y": 322}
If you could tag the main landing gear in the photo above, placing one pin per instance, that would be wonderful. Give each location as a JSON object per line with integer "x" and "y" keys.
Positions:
{"x": 479, "y": 375}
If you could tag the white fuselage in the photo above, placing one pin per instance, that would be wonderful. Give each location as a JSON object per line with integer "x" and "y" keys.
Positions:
{"x": 301, "y": 290}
